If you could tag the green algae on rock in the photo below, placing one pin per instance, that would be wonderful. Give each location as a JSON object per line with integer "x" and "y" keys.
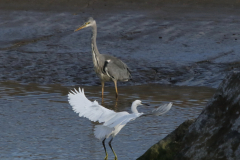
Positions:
{"x": 167, "y": 148}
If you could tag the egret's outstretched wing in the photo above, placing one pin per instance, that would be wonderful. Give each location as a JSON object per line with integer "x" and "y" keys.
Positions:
{"x": 118, "y": 116}
{"x": 123, "y": 120}
{"x": 91, "y": 110}
{"x": 162, "y": 109}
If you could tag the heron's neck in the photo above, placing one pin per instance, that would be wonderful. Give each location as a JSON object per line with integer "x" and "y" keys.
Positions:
{"x": 134, "y": 108}
{"x": 94, "y": 36}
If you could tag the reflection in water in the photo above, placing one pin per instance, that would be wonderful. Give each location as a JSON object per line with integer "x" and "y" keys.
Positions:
{"x": 38, "y": 123}
{"x": 105, "y": 104}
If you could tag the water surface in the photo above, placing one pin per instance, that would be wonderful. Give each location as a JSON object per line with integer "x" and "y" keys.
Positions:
{"x": 38, "y": 123}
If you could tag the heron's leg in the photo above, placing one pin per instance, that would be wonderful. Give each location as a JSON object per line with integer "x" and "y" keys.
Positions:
{"x": 103, "y": 142}
{"x": 102, "y": 88}
{"x": 112, "y": 149}
{"x": 115, "y": 82}
{"x": 116, "y": 104}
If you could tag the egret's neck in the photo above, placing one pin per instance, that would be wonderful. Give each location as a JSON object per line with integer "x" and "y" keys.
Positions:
{"x": 134, "y": 108}
{"x": 94, "y": 36}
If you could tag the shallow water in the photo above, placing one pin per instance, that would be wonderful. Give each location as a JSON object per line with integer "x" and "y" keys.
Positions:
{"x": 38, "y": 123}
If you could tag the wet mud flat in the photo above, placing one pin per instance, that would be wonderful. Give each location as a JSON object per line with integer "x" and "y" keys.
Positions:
{"x": 166, "y": 44}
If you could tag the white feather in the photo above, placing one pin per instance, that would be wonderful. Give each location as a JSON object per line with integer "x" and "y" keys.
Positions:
{"x": 112, "y": 121}
{"x": 124, "y": 120}
{"x": 91, "y": 110}
{"x": 101, "y": 131}
{"x": 120, "y": 115}
{"x": 162, "y": 109}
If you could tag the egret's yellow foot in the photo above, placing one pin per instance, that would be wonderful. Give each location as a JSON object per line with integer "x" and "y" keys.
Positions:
{"x": 114, "y": 155}
{"x": 106, "y": 157}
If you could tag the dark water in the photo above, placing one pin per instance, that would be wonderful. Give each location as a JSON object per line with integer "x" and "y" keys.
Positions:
{"x": 38, "y": 123}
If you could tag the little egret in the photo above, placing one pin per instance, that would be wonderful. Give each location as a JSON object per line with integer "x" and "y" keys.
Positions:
{"x": 106, "y": 66}
{"x": 112, "y": 122}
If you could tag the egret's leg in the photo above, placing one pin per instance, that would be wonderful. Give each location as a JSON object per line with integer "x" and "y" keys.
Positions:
{"x": 102, "y": 88}
{"x": 112, "y": 149}
{"x": 115, "y": 82}
{"x": 103, "y": 142}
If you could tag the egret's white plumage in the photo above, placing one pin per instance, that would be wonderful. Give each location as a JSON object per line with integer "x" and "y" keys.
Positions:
{"x": 162, "y": 109}
{"x": 91, "y": 110}
{"x": 112, "y": 122}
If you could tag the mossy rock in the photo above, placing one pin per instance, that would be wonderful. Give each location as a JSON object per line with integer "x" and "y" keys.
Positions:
{"x": 167, "y": 148}
{"x": 214, "y": 135}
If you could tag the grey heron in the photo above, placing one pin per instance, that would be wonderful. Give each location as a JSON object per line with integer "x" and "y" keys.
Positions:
{"x": 106, "y": 66}
{"x": 111, "y": 122}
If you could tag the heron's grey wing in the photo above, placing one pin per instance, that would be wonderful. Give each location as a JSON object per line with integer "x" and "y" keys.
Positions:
{"x": 118, "y": 70}
{"x": 91, "y": 110}
{"x": 162, "y": 109}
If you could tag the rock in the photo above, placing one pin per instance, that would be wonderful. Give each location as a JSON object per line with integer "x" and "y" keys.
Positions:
{"x": 216, "y": 132}
{"x": 169, "y": 146}
{"x": 214, "y": 135}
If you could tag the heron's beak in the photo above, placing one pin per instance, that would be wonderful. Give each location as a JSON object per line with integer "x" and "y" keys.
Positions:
{"x": 145, "y": 104}
{"x": 83, "y": 26}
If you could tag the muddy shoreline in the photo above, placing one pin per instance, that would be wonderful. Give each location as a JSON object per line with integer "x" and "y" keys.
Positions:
{"x": 77, "y": 5}
{"x": 189, "y": 44}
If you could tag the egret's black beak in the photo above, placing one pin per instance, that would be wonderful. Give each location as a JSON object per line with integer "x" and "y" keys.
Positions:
{"x": 145, "y": 104}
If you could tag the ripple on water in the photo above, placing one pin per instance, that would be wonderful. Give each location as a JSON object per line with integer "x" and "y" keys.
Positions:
{"x": 38, "y": 123}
